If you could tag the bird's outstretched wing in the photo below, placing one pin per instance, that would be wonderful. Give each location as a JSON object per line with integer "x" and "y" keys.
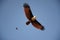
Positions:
{"x": 27, "y": 11}
{"x": 37, "y": 25}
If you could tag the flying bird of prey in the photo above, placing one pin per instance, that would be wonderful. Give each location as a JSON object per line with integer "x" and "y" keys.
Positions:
{"x": 31, "y": 18}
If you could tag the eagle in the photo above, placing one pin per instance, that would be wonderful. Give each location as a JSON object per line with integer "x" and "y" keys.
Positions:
{"x": 31, "y": 18}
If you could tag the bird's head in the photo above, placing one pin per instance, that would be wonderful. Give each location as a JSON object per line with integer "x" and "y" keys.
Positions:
{"x": 34, "y": 18}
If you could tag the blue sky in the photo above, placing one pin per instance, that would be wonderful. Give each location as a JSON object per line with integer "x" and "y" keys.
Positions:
{"x": 12, "y": 15}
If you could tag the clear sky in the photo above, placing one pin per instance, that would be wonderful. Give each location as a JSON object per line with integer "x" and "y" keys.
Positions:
{"x": 12, "y": 15}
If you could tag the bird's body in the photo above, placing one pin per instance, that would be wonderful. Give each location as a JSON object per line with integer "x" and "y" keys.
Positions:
{"x": 31, "y": 18}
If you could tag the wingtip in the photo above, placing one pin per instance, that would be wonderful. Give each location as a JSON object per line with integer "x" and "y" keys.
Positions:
{"x": 42, "y": 28}
{"x": 26, "y": 5}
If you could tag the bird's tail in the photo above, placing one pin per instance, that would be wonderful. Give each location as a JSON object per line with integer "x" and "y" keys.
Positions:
{"x": 28, "y": 22}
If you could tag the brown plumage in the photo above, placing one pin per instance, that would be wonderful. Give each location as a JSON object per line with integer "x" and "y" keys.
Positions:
{"x": 29, "y": 16}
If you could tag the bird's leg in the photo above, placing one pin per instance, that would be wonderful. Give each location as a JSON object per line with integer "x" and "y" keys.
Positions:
{"x": 28, "y": 22}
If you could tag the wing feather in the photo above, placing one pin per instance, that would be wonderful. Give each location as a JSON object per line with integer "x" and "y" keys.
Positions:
{"x": 28, "y": 11}
{"x": 37, "y": 25}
